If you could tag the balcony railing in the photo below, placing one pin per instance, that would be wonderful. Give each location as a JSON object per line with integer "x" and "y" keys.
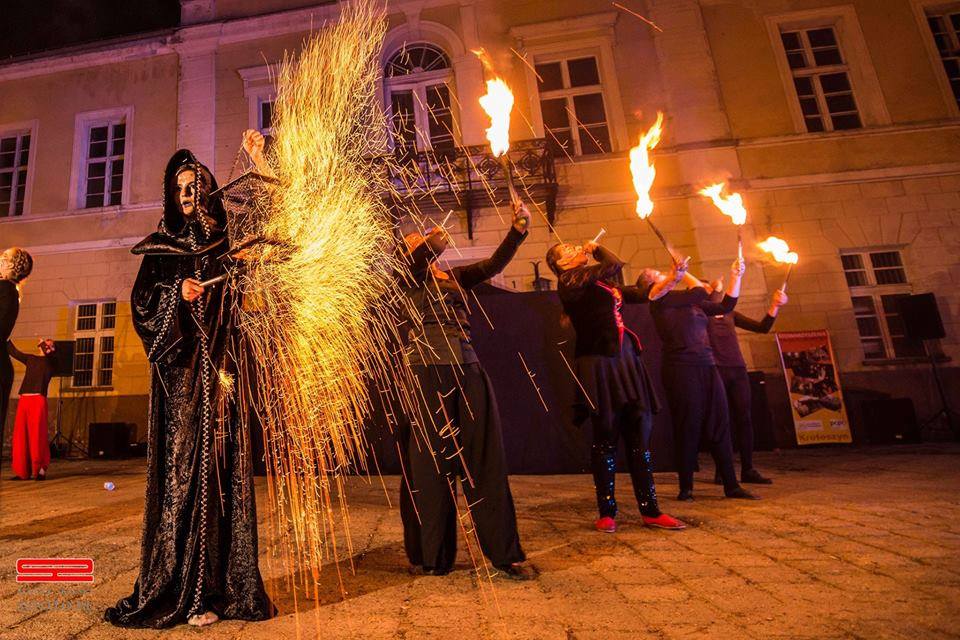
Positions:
{"x": 470, "y": 178}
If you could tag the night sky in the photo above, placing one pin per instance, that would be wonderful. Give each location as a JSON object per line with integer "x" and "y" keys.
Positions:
{"x": 32, "y": 26}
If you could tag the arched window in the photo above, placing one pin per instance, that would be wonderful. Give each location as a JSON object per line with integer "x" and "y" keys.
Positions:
{"x": 418, "y": 94}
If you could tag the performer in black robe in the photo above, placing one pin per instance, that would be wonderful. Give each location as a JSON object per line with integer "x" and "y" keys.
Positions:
{"x": 198, "y": 557}
{"x": 722, "y": 330}
{"x": 15, "y": 265}
{"x": 458, "y": 431}
{"x": 614, "y": 392}
{"x": 698, "y": 402}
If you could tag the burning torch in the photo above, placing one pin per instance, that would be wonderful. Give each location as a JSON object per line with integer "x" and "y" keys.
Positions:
{"x": 782, "y": 254}
{"x": 643, "y": 171}
{"x": 498, "y": 103}
{"x": 730, "y": 206}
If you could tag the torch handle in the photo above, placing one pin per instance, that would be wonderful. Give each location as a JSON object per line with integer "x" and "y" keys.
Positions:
{"x": 662, "y": 239}
{"x": 216, "y": 280}
{"x": 783, "y": 287}
{"x": 740, "y": 242}
{"x": 508, "y": 175}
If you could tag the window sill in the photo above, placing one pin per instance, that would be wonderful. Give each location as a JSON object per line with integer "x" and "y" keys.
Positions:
{"x": 85, "y": 389}
{"x": 886, "y": 362}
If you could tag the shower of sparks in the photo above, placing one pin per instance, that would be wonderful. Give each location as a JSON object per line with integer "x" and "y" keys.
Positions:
{"x": 637, "y": 15}
{"x": 321, "y": 316}
{"x": 533, "y": 382}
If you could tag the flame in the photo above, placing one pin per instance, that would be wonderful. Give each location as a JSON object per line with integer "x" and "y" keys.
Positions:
{"x": 779, "y": 249}
{"x": 498, "y": 102}
{"x": 642, "y": 168}
{"x": 731, "y": 206}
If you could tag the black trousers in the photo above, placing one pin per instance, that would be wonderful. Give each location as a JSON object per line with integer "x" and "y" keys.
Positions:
{"x": 736, "y": 382}
{"x": 634, "y": 425}
{"x": 6, "y": 384}
{"x": 458, "y": 437}
{"x": 698, "y": 405}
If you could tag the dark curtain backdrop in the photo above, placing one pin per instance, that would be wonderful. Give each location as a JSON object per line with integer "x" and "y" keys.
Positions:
{"x": 538, "y": 440}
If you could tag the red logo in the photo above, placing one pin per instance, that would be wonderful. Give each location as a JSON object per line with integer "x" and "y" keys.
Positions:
{"x": 55, "y": 570}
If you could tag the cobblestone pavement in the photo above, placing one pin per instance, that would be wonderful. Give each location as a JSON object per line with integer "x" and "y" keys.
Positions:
{"x": 848, "y": 543}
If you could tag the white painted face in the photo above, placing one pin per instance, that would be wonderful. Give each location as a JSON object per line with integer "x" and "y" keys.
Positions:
{"x": 187, "y": 192}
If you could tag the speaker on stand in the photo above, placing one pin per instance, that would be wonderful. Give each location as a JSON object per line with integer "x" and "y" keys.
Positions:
{"x": 921, "y": 321}
{"x": 60, "y": 445}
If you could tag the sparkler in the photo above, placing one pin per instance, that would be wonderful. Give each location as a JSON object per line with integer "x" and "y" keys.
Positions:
{"x": 781, "y": 253}
{"x": 730, "y": 206}
{"x": 498, "y": 103}
{"x": 318, "y": 340}
{"x": 644, "y": 172}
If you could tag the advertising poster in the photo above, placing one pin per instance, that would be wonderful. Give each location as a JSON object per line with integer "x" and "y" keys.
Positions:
{"x": 816, "y": 401}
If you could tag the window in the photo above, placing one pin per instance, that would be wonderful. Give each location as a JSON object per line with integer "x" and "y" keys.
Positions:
{"x": 103, "y": 181}
{"x": 94, "y": 344}
{"x": 821, "y": 79}
{"x": 877, "y": 282}
{"x": 418, "y": 97}
{"x": 945, "y": 28}
{"x": 572, "y": 106}
{"x": 14, "y": 153}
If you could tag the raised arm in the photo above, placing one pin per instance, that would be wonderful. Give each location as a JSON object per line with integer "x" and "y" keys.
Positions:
{"x": 762, "y": 326}
{"x": 15, "y": 353}
{"x": 471, "y": 275}
{"x": 607, "y": 267}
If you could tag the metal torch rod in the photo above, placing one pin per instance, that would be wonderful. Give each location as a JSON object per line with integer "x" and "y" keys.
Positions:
{"x": 662, "y": 239}
{"x": 213, "y": 281}
{"x": 740, "y": 242}
{"x": 786, "y": 277}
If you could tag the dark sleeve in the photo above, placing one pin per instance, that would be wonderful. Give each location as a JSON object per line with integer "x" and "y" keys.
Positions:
{"x": 685, "y": 298}
{"x": 607, "y": 267}
{"x": 721, "y": 308}
{"x": 471, "y": 275}
{"x": 749, "y": 324}
{"x": 15, "y": 353}
{"x": 155, "y": 304}
{"x": 636, "y": 294}
{"x": 9, "y": 308}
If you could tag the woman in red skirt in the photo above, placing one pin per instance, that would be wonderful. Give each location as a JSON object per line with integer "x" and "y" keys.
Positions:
{"x": 31, "y": 449}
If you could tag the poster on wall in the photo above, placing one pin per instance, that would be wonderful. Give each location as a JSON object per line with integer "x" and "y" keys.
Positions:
{"x": 819, "y": 414}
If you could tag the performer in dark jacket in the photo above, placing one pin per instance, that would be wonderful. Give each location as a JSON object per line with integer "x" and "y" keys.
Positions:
{"x": 15, "y": 265}
{"x": 30, "y": 451}
{"x": 722, "y": 330}
{"x": 457, "y": 433}
{"x": 698, "y": 402}
{"x": 198, "y": 559}
{"x": 614, "y": 391}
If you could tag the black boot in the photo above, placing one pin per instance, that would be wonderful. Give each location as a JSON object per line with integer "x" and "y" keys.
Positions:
{"x": 603, "y": 461}
{"x": 644, "y": 487}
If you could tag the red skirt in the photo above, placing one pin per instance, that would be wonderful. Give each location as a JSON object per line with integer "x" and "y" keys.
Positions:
{"x": 31, "y": 449}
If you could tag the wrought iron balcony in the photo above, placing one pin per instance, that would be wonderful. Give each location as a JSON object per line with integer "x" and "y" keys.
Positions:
{"x": 470, "y": 178}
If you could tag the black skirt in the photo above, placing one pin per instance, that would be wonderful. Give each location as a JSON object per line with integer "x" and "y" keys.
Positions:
{"x": 610, "y": 382}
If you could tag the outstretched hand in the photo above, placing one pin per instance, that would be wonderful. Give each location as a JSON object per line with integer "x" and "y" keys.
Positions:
{"x": 738, "y": 268}
{"x": 190, "y": 290}
{"x": 521, "y": 217}
{"x": 253, "y": 144}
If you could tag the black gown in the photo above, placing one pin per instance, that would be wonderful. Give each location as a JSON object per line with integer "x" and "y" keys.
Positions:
{"x": 9, "y": 308}
{"x": 199, "y": 539}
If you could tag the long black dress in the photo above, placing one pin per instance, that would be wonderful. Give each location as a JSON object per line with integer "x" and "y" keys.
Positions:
{"x": 9, "y": 308}
{"x": 199, "y": 541}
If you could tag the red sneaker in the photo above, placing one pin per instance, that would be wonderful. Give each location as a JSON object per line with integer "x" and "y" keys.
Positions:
{"x": 606, "y": 524}
{"x": 663, "y": 521}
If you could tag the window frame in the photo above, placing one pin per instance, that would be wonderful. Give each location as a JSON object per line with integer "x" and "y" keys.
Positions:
{"x": 569, "y": 93}
{"x": 258, "y": 87}
{"x": 876, "y": 292}
{"x": 574, "y": 38}
{"x": 865, "y": 85}
{"x": 83, "y": 123}
{"x": 98, "y": 333}
{"x": 922, "y": 10}
{"x": 28, "y": 127}
{"x": 418, "y": 83}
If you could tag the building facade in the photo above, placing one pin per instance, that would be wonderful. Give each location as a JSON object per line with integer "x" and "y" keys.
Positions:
{"x": 837, "y": 121}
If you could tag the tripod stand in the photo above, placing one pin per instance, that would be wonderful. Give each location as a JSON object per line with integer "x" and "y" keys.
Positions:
{"x": 945, "y": 411}
{"x": 60, "y": 445}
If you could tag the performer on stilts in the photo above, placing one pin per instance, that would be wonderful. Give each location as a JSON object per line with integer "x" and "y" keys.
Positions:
{"x": 615, "y": 392}
{"x": 458, "y": 434}
{"x": 15, "y": 265}
{"x": 198, "y": 558}
{"x": 722, "y": 330}
{"x": 695, "y": 393}
{"x": 30, "y": 452}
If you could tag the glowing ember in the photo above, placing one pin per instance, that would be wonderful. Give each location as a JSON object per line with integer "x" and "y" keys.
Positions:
{"x": 731, "y": 206}
{"x": 779, "y": 250}
{"x": 642, "y": 169}
{"x": 498, "y": 102}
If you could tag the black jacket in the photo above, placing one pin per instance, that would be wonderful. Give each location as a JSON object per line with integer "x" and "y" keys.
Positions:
{"x": 588, "y": 298}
